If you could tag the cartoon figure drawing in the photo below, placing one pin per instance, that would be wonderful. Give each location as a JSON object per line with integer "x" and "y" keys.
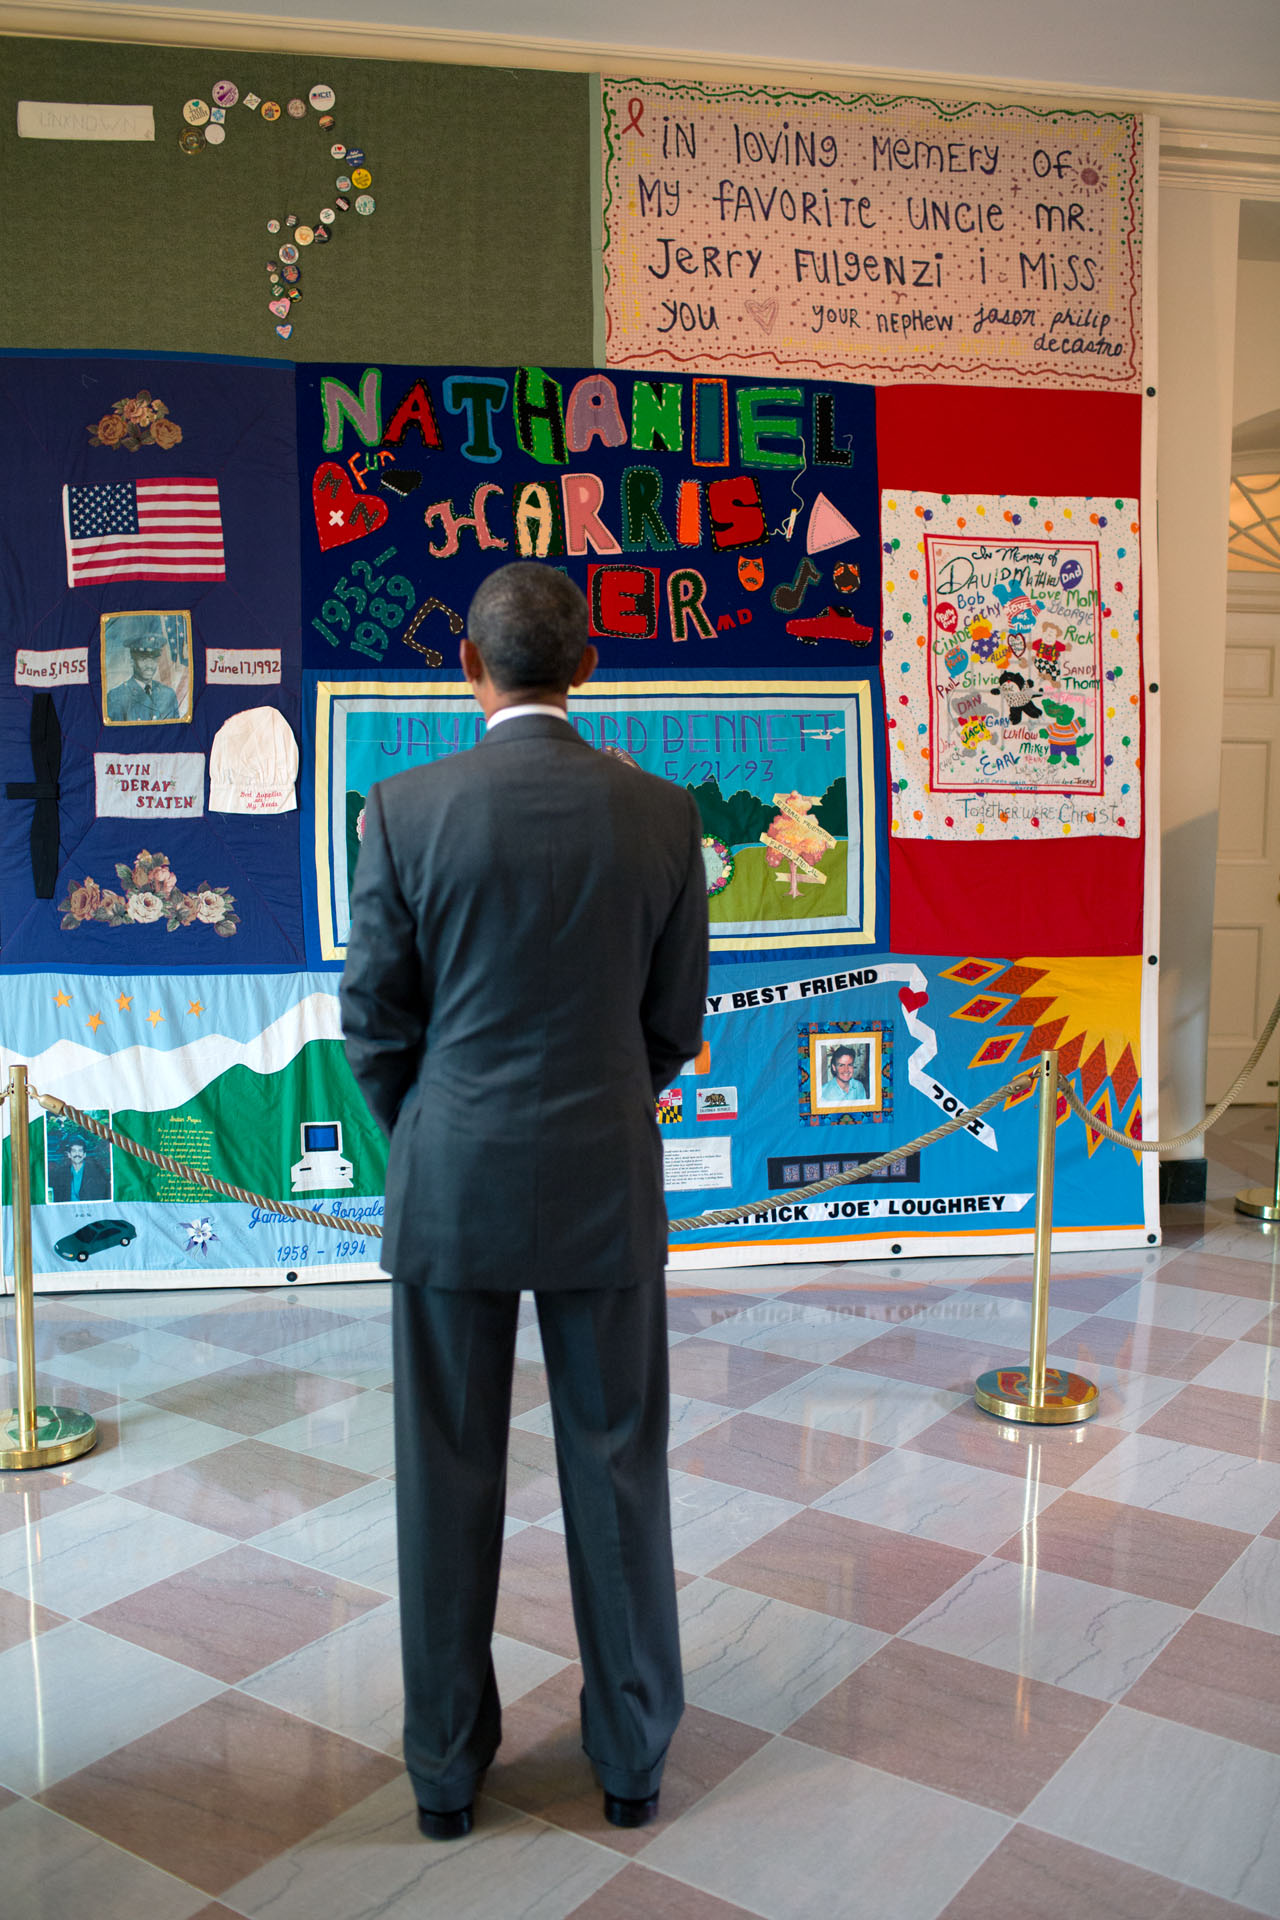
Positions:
{"x": 1017, "y": 604}
{"x": 1048, "y": 647}
{"x": 970, "y": 716}
{"x": 1063, "y": 733}
{"x": 1015, "y": 694}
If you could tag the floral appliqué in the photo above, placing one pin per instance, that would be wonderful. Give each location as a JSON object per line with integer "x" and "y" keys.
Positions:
{"x": 150, "y": 894}
{"x": 141, "y": 421}
{"x": 200, "y": 1234}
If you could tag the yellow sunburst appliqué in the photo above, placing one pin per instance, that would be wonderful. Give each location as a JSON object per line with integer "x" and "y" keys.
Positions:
{"x": 1087, "y": 1008}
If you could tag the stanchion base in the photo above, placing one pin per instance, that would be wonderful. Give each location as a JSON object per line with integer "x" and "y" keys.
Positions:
{"x": 1067, "y": 1396}
{"x": 1258, "y": 1202}
{"x": 61, "y": 1434}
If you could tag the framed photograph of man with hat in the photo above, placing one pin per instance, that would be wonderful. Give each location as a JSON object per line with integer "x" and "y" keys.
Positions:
{"x": 146, "y": 668}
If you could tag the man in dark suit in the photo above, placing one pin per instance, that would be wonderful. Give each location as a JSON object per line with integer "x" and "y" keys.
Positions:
{"x": 79, "y": 1174}
{"x": 526, "y": 969}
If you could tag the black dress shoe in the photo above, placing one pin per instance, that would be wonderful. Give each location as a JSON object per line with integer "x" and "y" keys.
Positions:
{"x": 436, "y": 1825}
{"x": 630, "y": 1813}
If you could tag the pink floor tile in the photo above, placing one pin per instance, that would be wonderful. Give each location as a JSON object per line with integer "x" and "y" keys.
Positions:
{"x": 928, "y": 1715}
{"x": 1217, "y": 1676}
{"x": 1036, "y": 1873}
{"x": 1158, "y": 1555}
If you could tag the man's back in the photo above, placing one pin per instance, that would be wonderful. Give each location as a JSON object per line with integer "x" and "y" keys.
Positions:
{"x": 527, "y": 965}
{"x": 558, "y": 913}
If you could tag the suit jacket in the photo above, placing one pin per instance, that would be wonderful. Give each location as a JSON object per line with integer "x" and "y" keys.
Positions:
{"x": 526, "y": 969}
{"x": 95, "y": 1182}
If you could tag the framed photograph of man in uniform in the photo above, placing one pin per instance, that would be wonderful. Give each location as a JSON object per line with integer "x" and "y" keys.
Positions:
{"x": 146, "y": 668}
{"x": 844, "y": 1072}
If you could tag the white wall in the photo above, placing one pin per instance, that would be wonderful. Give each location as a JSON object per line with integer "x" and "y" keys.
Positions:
{"x": 1257, "y": 350}
{"x": 1148, "y": 46}
{"x": 1198, "y": 236}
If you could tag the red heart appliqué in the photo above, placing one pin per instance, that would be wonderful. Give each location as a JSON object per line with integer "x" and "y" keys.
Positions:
{"x": 911, "y": 1000}
{"x": 343, "y": 513}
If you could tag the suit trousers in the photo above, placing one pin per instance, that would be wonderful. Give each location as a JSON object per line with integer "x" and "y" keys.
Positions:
{"x": 606, "y": 1358}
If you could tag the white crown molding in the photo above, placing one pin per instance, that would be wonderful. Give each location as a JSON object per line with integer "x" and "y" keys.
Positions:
{"x": 1224, "y": 161}
{"x": 1253, "y": 592}
{"x": 1207, "y": 142}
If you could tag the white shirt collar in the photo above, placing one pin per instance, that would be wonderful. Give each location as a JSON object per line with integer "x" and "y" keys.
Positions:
{"x": 522, "y": 713}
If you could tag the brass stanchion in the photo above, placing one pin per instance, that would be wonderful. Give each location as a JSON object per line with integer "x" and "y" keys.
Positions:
{"x": 32, "y": 1436}
{"x": 1043, "y": 1396}
{"x": 1263, "y": 1203}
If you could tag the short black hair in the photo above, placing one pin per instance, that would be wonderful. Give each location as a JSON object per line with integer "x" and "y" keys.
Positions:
{"x": 529, "y": 624}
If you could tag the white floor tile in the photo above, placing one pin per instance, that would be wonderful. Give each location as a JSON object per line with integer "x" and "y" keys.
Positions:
{"x": 690, "y": 1417}
{"x": 350, "y": 1681}
{"x": 53, "y": 1869}
{"x": 796, "y": 1834}
{"x": 936, "y": 1499}
{"x": 1050, "y": 1627}
{"x": 1222, "y": 1316}
{"x": 137, "y": 1440}
{"x": 169, "y": 1304}
{"x": 356, "y": 1433}
{"x": 862, "y": 1406}
{"x": 357, "y": 1296}
{"x": 353, "y": 1537}
{"x": 1247, "y": 1367}
{"x": 1189, "y": 1805}
{"x": 144, "y": 1362}
{"x": 73, "y": 1694}
{"x": 1130, "y": 1399}
{"x": 90, "y": 1555}
{"x": 996, "y": 1319}
{"x": 529, "y": 1343}
{"x": 1249, "y": 1592}
{"x": 757, "y": 1280}
{"x": 520, "y": 1667}
{"x": 1199, "y": 1483}
{"x": 762, "y": 1660}
{"x": 371, "y": 1862}
{"x": 537, "y": 1420}
{"x": 1229, "y": 1233}
{"x": 801, "y": 1333}
{"x": 359, "y": 1352}
{"x": 710, "y": 1520}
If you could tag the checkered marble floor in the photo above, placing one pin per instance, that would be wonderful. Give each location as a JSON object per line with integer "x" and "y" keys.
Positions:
{"x": 935, "y": 1664}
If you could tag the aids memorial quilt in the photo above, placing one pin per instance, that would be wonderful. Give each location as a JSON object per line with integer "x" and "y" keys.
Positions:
{"x": 906, "y": 698}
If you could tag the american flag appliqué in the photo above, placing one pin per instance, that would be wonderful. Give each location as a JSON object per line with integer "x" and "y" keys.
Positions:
{"x": 143, "y": 530}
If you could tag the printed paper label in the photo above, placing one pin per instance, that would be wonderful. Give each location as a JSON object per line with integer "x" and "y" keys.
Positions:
{"x": 689, "y": 1165}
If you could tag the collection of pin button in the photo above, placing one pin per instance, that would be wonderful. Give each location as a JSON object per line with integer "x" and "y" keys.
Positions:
{"x": 207, "y": 127}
